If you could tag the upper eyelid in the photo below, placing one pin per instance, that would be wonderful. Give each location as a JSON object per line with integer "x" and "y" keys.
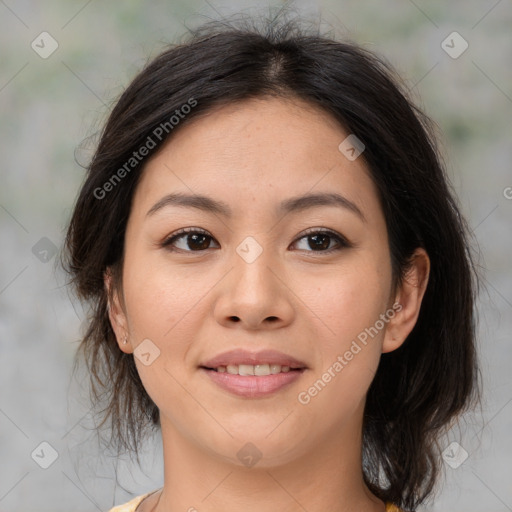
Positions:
{"x": 181, "y": 233}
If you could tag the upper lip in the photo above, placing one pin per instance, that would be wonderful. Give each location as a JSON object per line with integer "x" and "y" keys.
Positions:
{"x": 241, "y": 356}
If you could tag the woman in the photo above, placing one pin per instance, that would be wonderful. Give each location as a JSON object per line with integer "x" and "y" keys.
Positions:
{"x": 279, "y": 277}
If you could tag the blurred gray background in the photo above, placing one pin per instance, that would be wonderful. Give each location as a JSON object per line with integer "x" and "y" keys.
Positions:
{"x": 52, "y": 102}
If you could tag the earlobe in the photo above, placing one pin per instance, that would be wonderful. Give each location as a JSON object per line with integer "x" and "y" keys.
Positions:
{"x": 116, "y": 314}
{"x": 409, "y": 296}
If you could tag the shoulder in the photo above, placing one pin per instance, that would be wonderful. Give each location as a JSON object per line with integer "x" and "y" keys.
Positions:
{"x": 131, "y": 505}
{"x": 392, "y": 508}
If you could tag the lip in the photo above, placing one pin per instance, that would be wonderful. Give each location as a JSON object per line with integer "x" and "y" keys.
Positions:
{"x": 241, "y": 356}
{"x": 253, "y": 386}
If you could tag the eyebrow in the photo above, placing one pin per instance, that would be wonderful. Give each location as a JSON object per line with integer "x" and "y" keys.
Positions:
{"x": 294, "y": 204}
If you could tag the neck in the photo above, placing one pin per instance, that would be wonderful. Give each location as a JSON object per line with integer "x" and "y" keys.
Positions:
{"x": 326, "y": 477}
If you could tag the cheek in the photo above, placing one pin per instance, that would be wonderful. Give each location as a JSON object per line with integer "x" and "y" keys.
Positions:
{"x": 156, "y": 303}
{"x": 161, "y": 308}
{"x": 167, "y": 304}
{"x": 350, "y": 304}
{"x": 349, "y": 298}
{"x": 350, "y": 354}
{"x": 158, "y": 296}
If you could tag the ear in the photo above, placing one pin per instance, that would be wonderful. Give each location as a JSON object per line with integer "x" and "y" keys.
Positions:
{"x": 116, "y": 314}
{"x": 409, "y": 297}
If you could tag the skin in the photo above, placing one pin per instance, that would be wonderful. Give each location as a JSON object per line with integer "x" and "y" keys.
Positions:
{"x": 194, "y": 305}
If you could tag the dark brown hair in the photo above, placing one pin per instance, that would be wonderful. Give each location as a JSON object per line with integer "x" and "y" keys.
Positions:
{"x": 418, "y": 389}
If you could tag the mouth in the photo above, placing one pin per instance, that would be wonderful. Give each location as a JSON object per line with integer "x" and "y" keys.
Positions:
{"x": 253, "y": 374}
{"x": 246, "y": 362}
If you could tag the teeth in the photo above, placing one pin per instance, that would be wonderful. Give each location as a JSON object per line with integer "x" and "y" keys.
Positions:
{"x": 249, "y": 369}
{"x": 245, "y": 369}
{"x": 275, "y": 368}
{"x": 262, "y": 369}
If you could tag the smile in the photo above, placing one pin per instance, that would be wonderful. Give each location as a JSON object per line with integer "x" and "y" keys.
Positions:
{"x": 250, "y": 369}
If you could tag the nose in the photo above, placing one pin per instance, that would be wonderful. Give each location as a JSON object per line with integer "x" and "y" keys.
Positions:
{"x": 255, "y": 296}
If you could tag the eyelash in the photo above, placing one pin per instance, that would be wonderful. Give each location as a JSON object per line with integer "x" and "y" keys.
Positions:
{"x": 342, "y": 241}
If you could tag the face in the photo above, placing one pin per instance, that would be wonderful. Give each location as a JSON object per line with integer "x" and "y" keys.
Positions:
{"x": 260, "y": 267}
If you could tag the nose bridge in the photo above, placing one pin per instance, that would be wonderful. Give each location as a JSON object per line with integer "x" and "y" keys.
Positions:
{"x": 253, "y": 279}
{"x": 253, "y": 292}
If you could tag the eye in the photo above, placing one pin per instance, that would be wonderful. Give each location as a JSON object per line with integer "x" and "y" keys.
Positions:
{"x": 191, "y": 240}
{"x": 197, "y": 240}
{"x": 320, "y": 240}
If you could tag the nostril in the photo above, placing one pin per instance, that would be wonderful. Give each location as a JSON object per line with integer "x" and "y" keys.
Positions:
{"x": 234, "y": 318}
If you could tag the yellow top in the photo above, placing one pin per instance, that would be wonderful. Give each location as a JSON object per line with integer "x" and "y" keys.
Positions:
{"x": 133, "y": 504}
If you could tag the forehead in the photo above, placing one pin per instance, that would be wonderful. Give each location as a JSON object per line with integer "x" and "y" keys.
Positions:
{"x": 255, "y": 152}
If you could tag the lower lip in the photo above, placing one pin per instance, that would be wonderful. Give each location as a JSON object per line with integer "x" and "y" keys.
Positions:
{"x": 252, "y": 386}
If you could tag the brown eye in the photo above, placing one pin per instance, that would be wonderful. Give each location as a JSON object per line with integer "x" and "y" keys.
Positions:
{"x": 320, "y": 241}
{"x": 189, "y": 240}
{"x": 198, "y": 240}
